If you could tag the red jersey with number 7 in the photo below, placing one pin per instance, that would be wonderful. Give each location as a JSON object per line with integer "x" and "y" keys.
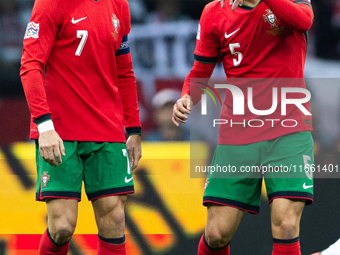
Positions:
{"x": 254, "y": 43}
{"x": 85, "y": 82}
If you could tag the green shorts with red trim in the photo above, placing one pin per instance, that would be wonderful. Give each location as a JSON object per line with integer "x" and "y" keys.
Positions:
{"x": 103, "y": 167}
{"x": 237, "y": 171}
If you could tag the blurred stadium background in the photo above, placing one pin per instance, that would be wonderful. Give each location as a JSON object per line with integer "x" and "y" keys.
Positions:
{"x": 165, "y": 215}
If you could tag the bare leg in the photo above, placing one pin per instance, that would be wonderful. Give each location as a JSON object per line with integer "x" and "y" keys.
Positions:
{"x": 110, "y": 216}
{"x": 62, "y": 218}
{"x": 285, "y": 217}
{"x": 222, "y": 223}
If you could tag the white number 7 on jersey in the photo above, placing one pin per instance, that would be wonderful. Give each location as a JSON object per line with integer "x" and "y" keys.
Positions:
{"x": 83, "y": 34}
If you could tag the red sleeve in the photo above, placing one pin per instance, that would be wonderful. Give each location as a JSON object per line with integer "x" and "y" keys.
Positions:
{"x": 206, "y": 53}
{"x": 207, "y": 40}
{"x": 297, "y": 14}
{"x": 199, "y": 70}
{"x": 127, "y": 82}
{"x": 38, "y": 41}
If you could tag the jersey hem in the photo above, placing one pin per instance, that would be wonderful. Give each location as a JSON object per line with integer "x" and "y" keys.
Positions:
{"x": 86, "y": 140}
{"x": 206, "y": 60}
{"x": 303, "y": 2}
{"x": 41, "y": 196}
{"x": 110, "y": 192}
{"x": 43, "y": 118}
{"x": 134, "y": 130}
{"x": 232, "y": 203}
{"x": 309, "y": 197}
{"x": 134, "y": 134}
{"x": 249, "y": 8}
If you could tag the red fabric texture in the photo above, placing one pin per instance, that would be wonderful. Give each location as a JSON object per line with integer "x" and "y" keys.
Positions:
{"x": 127, "y": 86}
{"x": 287, "y": 249}
{"x": 105, "y": 248}
{"x": 203, "y": 249}
{"x": 199, "y": 70}
{"x": 47, "y": 247}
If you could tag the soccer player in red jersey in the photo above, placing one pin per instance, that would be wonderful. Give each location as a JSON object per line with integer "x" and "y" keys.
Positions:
{"x": 76, "y": 70}
{"x": 255, "y": 39}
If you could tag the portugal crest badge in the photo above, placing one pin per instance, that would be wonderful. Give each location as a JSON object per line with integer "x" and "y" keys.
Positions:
{"x": 115, "y": 22}
{"x": 270, "y": 18}
{"x": 45, "y": 179}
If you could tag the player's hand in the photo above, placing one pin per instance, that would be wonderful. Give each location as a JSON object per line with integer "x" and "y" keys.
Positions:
{"x": 134, "y": 148}
{"x": 51, "y": 147}
{"x": 234, "y": 4}
{"x": 181, "y": 107}
{"x": 222, "y": 2}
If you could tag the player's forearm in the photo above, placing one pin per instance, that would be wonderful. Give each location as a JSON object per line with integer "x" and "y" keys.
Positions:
{"x": 199, "y": 70}
{"x": 32, "y": 82}
{"x": 297, "y": 14}
{"x": 128, "y": 93}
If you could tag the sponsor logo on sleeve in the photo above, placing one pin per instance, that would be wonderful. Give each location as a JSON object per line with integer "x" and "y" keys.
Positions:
{"x": 124, "y": 45}
{"x": 32, "y": 31}
{"x": 198, "y": 37}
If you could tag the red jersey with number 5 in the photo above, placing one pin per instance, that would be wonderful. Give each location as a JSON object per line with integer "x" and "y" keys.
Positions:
{"x": 254, "y": 43}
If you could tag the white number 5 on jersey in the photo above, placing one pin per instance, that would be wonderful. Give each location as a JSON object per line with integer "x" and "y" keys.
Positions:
{"x": 239, "y": 54}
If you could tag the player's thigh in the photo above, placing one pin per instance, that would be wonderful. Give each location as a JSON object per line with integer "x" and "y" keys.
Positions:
{"x": 222, "y": 221}
{"x": 63, "y": 181}
{"x": 62, "y": 214}
{"x": 111, "y": 205}
{"x": 107, "y": 171}
{"x": 292, "y": 154}
{"x": 282, "y": 208}
{"x": 227, "y": 185}
{"x": 285, "y": 217}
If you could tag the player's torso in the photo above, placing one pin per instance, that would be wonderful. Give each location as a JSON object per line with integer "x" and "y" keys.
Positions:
{"x": 89, "y": 33}
{"x": 255, "y": 43}
{"x": 81, "y": 73}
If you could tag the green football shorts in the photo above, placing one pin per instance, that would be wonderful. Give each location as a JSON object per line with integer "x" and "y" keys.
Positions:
{"x": 104, "y": 167}
{"x": 236, "y": 172}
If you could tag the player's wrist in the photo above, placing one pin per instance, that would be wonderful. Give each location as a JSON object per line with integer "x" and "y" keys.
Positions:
{"x": 44, "y": 123}
{"x": 45, "y": 126}
{"x": 186, "y": 96}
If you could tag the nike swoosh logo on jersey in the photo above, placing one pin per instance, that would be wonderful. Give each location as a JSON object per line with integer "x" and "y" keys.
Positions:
{"x": 77, "y": 20}
{"x": 307, "y": 186}
{"x": 230, "y": 35}
{"x": 128, "y": 180}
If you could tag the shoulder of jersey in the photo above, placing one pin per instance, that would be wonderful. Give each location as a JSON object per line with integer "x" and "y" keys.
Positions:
{"x": 122, "y": 2}
{"x": 213, "y": 6}
{"x": 48, "y": 6}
